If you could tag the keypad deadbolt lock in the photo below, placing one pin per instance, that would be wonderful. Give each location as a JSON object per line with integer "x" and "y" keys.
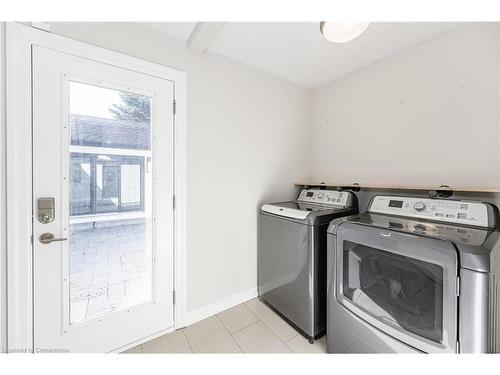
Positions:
{"x": 46, "y": 210}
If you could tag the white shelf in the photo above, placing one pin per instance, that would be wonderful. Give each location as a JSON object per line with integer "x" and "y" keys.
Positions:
{"x": 401, "y": 187}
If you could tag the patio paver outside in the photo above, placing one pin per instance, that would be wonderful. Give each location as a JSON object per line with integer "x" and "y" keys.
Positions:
{"x": 109, "y": 268}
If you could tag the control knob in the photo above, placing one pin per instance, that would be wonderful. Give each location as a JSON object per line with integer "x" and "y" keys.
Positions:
{"x": 419, "y": 228}
{"x": 419, "y": 206}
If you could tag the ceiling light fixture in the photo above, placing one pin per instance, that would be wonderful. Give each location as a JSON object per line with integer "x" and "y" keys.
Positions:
{"x": 342, "y": 32}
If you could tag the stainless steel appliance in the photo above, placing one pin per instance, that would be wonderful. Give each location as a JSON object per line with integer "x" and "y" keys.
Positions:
{"x": 414, "y": 275}
{"x": 292, "y": 256}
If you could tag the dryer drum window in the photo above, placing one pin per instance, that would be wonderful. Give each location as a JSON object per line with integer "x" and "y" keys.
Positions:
{"x": 403, "y": 292}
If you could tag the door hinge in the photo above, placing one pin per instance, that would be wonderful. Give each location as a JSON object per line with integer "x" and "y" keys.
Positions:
{"x": 458, "y": 286}
{"x": 173, "y": 297}
{"x": 31, "y": 239}
{"x": 175, "y": 107}
{"x": 173, "y": 202}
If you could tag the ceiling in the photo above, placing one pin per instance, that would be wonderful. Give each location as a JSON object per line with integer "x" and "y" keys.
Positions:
{"x": 297, "y": 52}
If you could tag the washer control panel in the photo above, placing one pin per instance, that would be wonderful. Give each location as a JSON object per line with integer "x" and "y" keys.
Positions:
{"x": 325, "y": 197}
{"x": 458, "y": 212}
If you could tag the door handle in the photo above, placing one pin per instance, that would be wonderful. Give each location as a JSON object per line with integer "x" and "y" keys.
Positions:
{"x": 47, "y": 238}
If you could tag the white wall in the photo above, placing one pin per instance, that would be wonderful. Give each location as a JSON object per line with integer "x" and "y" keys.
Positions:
{"x": 3, "y": 328}
{"x": 248, "y": 141}
{"x": 426, "y": 116}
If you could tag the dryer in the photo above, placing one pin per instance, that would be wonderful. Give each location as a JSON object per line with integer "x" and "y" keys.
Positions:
{"x": 292, "y": 256}
{"x": 414, "y": 275}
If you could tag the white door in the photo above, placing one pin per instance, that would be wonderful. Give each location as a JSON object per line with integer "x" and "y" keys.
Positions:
{"x": 102, "y": 190}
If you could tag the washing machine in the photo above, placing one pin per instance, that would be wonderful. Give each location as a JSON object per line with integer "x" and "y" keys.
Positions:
{"x": 292, "y": 256}
{"x": 414, "y": 275}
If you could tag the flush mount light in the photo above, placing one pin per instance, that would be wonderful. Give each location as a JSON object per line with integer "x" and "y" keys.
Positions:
{"x": 342, "y": 32}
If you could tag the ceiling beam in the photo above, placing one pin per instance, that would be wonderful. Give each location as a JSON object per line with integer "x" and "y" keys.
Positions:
{"x": 203, "y": 35}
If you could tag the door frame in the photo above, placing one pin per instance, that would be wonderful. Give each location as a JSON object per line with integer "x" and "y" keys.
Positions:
{"x": 19, "y": 41}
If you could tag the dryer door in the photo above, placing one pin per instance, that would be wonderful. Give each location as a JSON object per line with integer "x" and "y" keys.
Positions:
{"x": 403, "y": 284}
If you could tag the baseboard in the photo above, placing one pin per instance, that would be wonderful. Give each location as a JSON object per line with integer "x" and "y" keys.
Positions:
{"x": 217, "y": 307}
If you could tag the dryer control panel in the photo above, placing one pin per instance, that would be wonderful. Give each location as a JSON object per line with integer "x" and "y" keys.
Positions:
{"x": 451, "y": 211}
{"x": 325, "y": 197}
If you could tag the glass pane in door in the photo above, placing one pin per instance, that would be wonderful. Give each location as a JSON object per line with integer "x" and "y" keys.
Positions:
{"x": 110, "y": 199}
{"x": 81, "y": 184}
{"x": 107, "y": 194}
{"x": 403, "y": 292}
{"x": 131, "y": 186}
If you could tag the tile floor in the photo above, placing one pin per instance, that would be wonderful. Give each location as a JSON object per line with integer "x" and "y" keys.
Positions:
{"x": 247, "y": 328}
